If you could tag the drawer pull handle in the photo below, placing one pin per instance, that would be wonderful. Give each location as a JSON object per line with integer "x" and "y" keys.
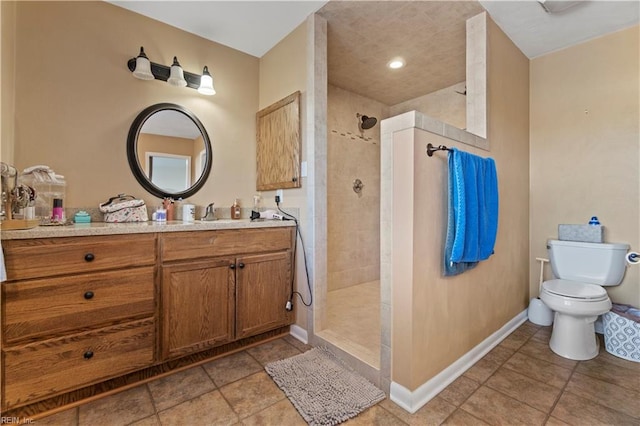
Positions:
{"x": 88, "y": 355}
{"x": 89, "y": 257}
{"x": 88, "y": 295}
{"x": 232, "y": 266}
{"x": 240, "y": 265}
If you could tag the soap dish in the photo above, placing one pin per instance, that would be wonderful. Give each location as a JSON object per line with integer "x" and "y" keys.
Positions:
{"x": 82, "y": 217}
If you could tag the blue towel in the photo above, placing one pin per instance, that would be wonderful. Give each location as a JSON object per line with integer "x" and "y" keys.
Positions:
{"x": 473, "y": 211}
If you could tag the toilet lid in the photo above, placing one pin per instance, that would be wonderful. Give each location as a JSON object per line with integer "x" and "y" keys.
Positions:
{"x": 575, "y": 289}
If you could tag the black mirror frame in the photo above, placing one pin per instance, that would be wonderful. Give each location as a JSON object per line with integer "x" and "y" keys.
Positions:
{"x": 132, "y": 154}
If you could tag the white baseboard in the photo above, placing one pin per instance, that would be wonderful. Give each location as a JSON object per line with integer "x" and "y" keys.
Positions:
{"x": 299, "y": 333}
{"x": 413, "y": 400}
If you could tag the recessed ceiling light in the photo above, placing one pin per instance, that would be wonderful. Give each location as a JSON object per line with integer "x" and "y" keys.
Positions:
{"x": 396, "y": 63}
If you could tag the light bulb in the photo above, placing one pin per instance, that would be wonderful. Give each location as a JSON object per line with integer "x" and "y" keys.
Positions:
{"x": 176, "y": 78}
{"x": 206, "y": 83}
{"x": 143, "y": 67}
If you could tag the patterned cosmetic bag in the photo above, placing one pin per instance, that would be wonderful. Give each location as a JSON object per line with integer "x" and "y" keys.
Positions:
{"x": 124, "y": 208}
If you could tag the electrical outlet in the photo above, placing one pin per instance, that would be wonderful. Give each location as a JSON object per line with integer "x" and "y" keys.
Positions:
{"x": 280, "y": 195}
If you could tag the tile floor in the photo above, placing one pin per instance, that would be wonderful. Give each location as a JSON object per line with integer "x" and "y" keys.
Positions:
{"x": 520, "y": 382}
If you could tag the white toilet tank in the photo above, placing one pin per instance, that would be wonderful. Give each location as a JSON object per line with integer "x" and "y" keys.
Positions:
{"x": 595, "y": 263}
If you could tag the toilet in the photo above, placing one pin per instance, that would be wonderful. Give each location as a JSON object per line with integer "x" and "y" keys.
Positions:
{"x": 577, "y": 295}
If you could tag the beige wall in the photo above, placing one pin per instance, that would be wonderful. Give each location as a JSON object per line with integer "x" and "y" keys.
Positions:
{"x": 76, "y": 99}
{"x": 353, "y": 220}
{"x": 585, "y": 146}
{"x": 7, "y": 80}
{"x": 148, "y": 142}
{"x": 436, "y": 320}
{"x": 283, "y": 70}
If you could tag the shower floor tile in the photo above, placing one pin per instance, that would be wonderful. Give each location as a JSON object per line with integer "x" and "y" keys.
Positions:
{"x": 353, "y": 321}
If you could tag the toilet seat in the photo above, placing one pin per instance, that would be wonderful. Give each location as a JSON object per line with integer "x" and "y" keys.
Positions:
{"x": 575, "y": 290}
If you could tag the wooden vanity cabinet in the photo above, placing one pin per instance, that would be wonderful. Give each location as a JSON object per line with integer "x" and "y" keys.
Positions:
{"x": 220, "y": 286}
{"x": 76, "y": 311}
{"x": 79, "y": 311}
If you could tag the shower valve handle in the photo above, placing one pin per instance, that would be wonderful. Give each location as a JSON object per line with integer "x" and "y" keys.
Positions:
{"x": 357, "y": 186}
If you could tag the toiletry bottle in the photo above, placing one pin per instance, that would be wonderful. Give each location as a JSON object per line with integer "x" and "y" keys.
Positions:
{"x": 235, "y": 209}
{"x": 257, "y": 203}
{"x": 167, "y": 203}
{"x": 57, "y": 215}
{"x": 188, "y": 213}
{"x": 161, "y": 215}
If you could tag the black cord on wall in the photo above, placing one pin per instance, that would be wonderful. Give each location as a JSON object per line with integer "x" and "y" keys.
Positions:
{"x": 289, "y": 216}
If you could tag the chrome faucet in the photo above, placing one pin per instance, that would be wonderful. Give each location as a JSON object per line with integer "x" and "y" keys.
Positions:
{"x": 209, "y": 213}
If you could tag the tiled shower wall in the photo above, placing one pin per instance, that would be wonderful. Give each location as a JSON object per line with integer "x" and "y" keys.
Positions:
{"x": 353, "y": 220}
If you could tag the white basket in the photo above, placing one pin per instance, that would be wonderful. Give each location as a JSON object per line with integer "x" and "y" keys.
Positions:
{"x": 621, "y": 336}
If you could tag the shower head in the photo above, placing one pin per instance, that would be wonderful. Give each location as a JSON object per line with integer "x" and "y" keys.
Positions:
{"x": 367, "y": 122}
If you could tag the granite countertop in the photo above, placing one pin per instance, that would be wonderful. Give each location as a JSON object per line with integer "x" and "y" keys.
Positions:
{"x": 102, "y": 228}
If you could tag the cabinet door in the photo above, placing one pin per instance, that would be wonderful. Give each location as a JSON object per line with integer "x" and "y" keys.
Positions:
{"x": 263, "y": 289}
{"x": 278, "y": 145}
{"x": 197, "y": 306}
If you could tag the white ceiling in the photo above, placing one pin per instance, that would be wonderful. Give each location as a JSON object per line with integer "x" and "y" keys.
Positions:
{"x": 171, "y": 123}
{"x": 537, "y": 32}
{"x": 363, "y": 33}
{"x": 254, "y": 27}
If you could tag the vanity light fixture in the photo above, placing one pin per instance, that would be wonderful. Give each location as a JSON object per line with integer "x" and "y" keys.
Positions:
{"x": 176, "y": 76}
{"x": 206, "y": 83}
{"x": 144, "y": 69}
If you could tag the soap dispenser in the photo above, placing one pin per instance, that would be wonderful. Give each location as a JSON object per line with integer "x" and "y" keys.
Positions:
{"x": 235, "y": 209}
{"x": 167, "y": 204}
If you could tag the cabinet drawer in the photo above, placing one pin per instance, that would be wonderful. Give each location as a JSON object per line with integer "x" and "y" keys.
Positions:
{"x": 190, "y": 245}
{"x": 42, "y": 257}
{"x": 40, "y": 370}
{"x": 43, "y": 307}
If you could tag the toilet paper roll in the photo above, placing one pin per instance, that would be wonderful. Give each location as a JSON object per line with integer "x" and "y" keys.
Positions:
{"x": 633, "y": 258}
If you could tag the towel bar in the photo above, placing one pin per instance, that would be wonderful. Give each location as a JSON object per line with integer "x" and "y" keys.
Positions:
{"x": 431, "y": 149}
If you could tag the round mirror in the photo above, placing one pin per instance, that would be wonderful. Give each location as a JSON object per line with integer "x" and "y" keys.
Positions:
{"x": 169, "y": 151}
